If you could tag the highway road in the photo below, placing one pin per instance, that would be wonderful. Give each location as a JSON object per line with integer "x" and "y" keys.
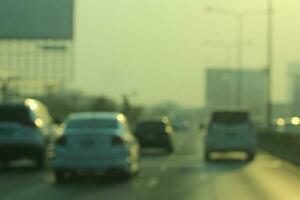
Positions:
{"x": 183, "y": 175}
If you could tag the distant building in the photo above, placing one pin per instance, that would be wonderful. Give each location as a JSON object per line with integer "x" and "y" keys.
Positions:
{"x": 222, "y": 91}
{"x": 293, "y": 73}
{"x": 296, "y": 95}
{"x": 282, "y": 110}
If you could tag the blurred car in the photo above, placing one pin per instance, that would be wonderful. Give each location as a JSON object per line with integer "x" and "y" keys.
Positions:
{"x": 155, "y": 133}
{"x": 95, "y": 143}
{"x": 230, "y": 131}
{"x": 182, "y": 125}
{"x": 25, "y": 132}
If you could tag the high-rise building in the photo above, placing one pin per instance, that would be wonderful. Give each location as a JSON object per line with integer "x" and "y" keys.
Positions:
{"x": 293, "y": 73}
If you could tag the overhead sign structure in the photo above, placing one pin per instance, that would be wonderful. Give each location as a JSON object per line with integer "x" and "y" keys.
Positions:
{"x": 36, "y": 19}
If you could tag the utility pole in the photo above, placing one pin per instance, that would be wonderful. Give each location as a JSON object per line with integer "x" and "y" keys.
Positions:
{"x": 239, "y": 78}
{"x": 269, "y": 62}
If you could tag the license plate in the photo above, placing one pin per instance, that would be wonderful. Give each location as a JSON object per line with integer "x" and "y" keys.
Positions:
{"x": 150, "y": 137}
{"x": 6, "y": 132}
{"x": 231, "y": 134}
{"x": 87, "y": 143}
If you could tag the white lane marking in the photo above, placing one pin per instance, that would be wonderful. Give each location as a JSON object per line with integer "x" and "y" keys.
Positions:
{"x": 271, "y": 164}
{"x": 163, "y": 167}
{"x": 277, "y": 184}
{"x": 152, "y": 182}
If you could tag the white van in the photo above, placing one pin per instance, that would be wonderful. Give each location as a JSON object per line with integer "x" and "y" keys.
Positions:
{"x": 230, "y": 131}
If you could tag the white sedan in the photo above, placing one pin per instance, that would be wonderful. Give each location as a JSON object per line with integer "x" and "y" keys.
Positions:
{"x": 95, "y": 142}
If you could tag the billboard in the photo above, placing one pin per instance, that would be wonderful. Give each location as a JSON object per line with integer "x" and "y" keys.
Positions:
{"x": 36, "y": 19}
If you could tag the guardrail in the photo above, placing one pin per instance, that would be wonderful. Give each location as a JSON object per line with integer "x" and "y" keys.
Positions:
{"x": 284, "y": 145}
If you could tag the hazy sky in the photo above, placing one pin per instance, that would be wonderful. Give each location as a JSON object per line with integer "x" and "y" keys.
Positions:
{"x": 157, "y": 48}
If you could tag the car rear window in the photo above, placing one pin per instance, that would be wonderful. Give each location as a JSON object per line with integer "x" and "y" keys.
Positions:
{"x": 15, "y": 113}
{"x": 92, "y": 124}
{"x": 150, "y": 127}
{"x": 230, "y": 117}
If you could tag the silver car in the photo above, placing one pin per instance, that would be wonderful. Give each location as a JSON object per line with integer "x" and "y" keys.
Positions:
{"x": 230, "y": 131}
{"x": 26, "y": 129}
{"x": 95, "y": 143}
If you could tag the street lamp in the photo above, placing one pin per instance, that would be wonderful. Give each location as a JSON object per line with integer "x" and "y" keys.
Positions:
{"x": 239, "y": 16}
{"x": 269, "y": 62}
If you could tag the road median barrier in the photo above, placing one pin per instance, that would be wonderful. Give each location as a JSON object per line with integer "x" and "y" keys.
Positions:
{"x": 283, "y": 145}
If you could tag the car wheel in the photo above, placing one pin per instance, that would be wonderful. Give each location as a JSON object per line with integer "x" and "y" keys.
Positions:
{"x": 5, "y": 164}
{"x": 122, "y": 175}
{"x": 207, "y": 156}
{"x": 136, "y": 168}
{"x": 250, "y": 156}
{"x": 59, "y": 176}
{"x": 41, "y": 162}
{"x": 119, "y": 174}
{"x": 135, "y": 173}
{"x": 170, "y": 149}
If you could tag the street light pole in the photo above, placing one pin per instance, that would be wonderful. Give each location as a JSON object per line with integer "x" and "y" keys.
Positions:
{"x": 239, "y": 95}
{"x": 269, "y": 62}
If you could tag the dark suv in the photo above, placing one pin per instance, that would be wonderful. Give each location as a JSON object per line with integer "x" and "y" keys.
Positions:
{"x": 25, "y": 132}
{"x": 155, "y": 133}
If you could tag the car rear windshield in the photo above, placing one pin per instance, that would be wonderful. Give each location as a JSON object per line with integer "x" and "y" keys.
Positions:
{"x": 15, "y": 113}
{"x": 150, "y": 127}
{"x": 92, "y": 124}
{"x": 230, "y": 117}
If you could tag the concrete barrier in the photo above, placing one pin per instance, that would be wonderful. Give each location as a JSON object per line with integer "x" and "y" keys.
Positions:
{"x": 284, "y": 145}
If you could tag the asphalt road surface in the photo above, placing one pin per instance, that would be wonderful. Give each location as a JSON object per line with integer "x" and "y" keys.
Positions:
{"x": 181, "y": 176}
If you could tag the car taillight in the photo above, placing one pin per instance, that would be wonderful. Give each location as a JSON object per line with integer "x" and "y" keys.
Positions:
{"x": 116, "y": 140}
{"x": 61, "y": 141}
